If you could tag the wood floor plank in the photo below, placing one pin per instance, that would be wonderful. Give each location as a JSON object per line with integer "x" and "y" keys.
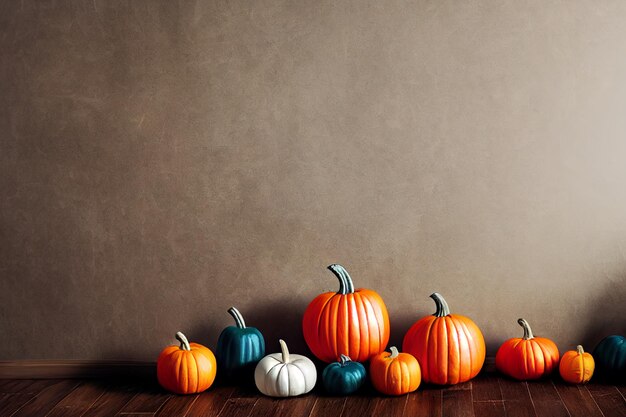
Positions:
{"x": 328, "y": 407}
{"x": 240, "y": 403}
{"x": 546, "y": 399}
{"x": 516, "y": 398}
{"x": 10, "y": 403}
{"x": 117, "y": 395}
{"x": 359, "y": 406}
{"x": 457, "y": 403}
{"x": 391, "y": 406}
{"x": 12, "y": 386}
{"x": 517, "y": 408}
{"x": 486, "y": 396}
{"x": 295, "y": 407}
{"x": 622, "y": 390}
{"x": 138, "y": 414}
{"x": 514, "y": 390}
{"x": 425, "y": 402}
{"x": 459, "y": 387}
{"x": 45, "y": 401}
{"x": 177, "y": 405}
{"x": 265, "y": 406}
{"x": 608, "y": 399}
{"x": 489, "y": 409}
{"x": 25, "y": 386}
{"x": 77, "y": 402}
{"x": 486, "y": 388}
{"x": 149, "y": 399}
{"x": 238, "y": 407}
{"x": 211, "y": 402}
{"x": 578, "y": 401}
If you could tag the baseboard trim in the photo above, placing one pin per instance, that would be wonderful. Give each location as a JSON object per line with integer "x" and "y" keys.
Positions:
{"x": 66, "y": 369}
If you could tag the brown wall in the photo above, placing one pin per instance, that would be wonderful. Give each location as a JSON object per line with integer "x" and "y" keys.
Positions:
{"x": 161, "y": 161}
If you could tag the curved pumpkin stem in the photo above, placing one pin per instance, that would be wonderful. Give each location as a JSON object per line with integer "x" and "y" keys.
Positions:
{"x": 238, "y": 317}
{"x": 579, "y": 349}
{"x": 184, "y": 343}
{"x": 442, "y": 306}
{"x": 394, "y": 352}
{"x": 345, "y": 281}
{"x": 284, "y": 350}
{"x": 344, "y": 359}
{"x": 528, "y": 333}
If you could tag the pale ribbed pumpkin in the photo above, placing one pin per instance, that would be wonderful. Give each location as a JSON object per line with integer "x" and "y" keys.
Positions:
{"x": 285, "y": 374}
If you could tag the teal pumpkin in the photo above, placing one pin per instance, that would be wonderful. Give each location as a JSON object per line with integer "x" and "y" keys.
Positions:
{"x": 610, "y": 357}
{"x": 239, "y": 348}
{"x": 343, "y": 377}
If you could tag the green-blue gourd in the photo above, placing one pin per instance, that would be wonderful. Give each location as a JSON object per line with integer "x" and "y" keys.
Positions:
{"x": 344, "y": 377}
{"x": 610, "y": 357}
{"x": 239, "y": 349}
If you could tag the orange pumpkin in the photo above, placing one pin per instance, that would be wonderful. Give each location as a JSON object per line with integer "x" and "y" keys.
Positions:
{"x": 349, "y": 322}
{"x": 528, "y": 357}
{"x": 577, "y": 366}
{"x": 395, "y": 373}
{"x": 187, "y": 369}
{"x": 449, "y": 347}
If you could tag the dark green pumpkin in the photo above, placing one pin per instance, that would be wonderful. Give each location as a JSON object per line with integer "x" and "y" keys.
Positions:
{"x": 239, "y": 349}
{"x": 610, "y": 357}
{"x": 343, "y": 377}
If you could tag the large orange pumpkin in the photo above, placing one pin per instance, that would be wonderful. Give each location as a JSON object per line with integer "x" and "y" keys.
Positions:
{"x": 349, "y": 322}
{"x": 577, "y": 366}
{"x": 449, "y": 347}
{"x": 187, "y": 369}
{"x": 395, "y": 373}
{"x": 528, "y": 357}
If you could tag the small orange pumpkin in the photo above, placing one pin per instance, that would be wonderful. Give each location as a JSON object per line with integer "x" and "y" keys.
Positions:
{"x": 528, "y": 357}
{"x": 186, "y": 369}
{"x": 395, "y": 373}
{"x": 577, "y": 366}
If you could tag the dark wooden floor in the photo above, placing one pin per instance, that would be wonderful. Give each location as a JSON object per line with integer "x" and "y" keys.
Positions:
{"x": 486, "y": 396}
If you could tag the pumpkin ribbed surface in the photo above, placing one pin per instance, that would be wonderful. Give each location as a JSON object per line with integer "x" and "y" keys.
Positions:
{"x": 349, "y": 322}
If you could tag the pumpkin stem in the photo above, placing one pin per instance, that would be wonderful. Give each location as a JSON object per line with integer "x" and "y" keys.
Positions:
{"x": 579, "y": 349}
{"x": 343, "y": 359}
{"x": 442, "y": 306}
{"x": 284, "y": 350}
{"x": 345, "y": 281}
{"x": 238, "y": 317}
{"x": 184, "y": 343}
{"x": 528, "y": 333}
{"x": 394, "y": 352}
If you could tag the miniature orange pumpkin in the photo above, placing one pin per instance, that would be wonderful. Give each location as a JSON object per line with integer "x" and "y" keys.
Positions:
{"x": 348, "y": 322}
{"x": 395, "y": 373}
{"x": 186, "y": 369}
{"x": 577, "y": 366}
{"x": 528, "y": 357}
{"x": 449, "y": 347}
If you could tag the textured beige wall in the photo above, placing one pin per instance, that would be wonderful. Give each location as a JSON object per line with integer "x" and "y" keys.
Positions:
{"x": 160, "y": 161}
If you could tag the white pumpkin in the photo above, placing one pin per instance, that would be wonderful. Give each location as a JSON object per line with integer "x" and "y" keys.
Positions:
{"x": 285, "y": 375}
